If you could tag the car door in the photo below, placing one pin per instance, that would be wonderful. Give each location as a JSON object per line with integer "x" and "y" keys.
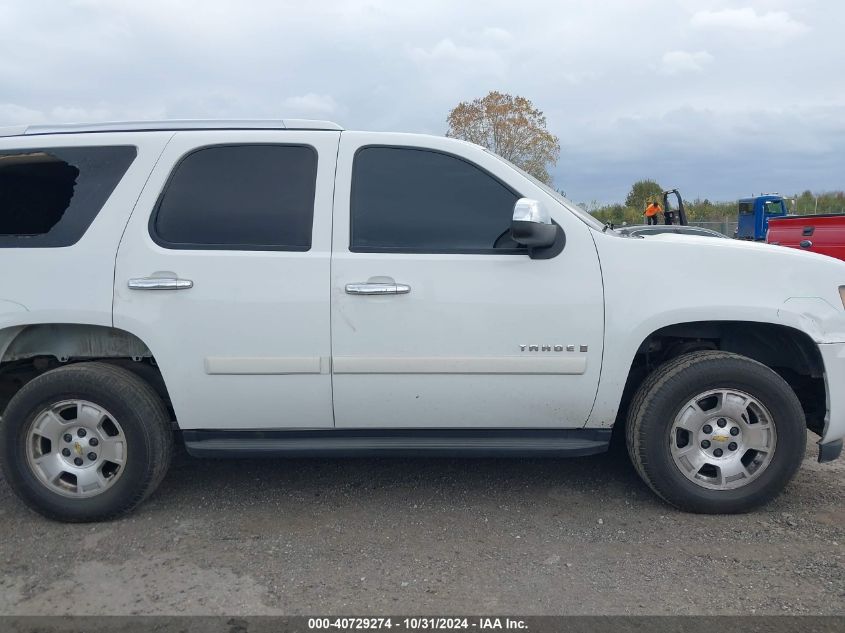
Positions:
{"x": 438, "y": 318}
{"x": 223, "y": 272}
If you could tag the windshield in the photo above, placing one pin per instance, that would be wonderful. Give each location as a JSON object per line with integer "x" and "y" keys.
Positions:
{"x": 574, "y": 208}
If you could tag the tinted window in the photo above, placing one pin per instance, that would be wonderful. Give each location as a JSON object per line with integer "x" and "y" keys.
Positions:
{"x": 240, "y": 197}
{"x": 50, "y": 196}
{"x": 410, "y": 200}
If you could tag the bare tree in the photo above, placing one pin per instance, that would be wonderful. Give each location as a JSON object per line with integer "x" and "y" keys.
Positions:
{"x": 509, "y": 126}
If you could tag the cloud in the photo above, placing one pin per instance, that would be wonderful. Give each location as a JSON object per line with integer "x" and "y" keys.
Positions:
{"x": 496, "y": 34}
{"x": 675, "y": 62}
{"x": 575, "y": 77}
{"x": 707, "y": 152}
{"x": 619, "y": 106}
{"x": 446, "y": 51}
{"x": 13, "y": 113}
{"x": 747, "y": 19}
{"x": 82, "y": 115}
{"x": 309, "y": 104}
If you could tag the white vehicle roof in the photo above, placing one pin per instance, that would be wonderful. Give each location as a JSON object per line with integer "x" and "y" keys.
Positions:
{"x": 171, "y": 124}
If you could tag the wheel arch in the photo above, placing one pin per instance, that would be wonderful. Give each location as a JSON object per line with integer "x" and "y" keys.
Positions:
{"x": 27, "y": 351}
{"x": 786, "y": 350}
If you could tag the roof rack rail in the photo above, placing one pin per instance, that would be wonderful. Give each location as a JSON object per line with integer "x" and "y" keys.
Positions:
{"x": 172, "y": 124}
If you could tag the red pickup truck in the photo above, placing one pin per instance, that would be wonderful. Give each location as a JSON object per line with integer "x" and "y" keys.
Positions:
{"x": 824, "y": 233}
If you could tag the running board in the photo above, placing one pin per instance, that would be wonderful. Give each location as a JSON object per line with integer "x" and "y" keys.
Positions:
{"x": 390, "y": 442}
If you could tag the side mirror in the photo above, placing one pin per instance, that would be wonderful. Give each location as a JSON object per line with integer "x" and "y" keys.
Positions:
{"x": 532, "y": 225}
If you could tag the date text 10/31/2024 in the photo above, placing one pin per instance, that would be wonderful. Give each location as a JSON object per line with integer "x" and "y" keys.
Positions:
{"x": 416, "y": 623}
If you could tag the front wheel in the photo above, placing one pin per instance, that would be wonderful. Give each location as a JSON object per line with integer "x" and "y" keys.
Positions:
{"x": 715, "y": 432}
{"x": 85, "y": 442}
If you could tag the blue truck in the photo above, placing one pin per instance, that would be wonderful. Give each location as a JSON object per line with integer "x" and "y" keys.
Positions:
{"x": 754, "y": 215}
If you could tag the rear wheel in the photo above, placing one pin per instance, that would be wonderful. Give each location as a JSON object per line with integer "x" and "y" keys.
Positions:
{"x": 85, "y": 442}
{"x": 716, "y": 432}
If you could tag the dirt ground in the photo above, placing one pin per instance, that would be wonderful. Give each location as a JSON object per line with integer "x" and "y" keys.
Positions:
{"x": 429, "y": 536}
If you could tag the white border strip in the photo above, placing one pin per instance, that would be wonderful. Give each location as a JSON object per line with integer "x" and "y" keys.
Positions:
{"x": 475, "y": 365}
{"x": 265, "y": 365}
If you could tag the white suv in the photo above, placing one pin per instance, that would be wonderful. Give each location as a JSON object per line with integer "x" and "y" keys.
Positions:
{"x": 279, "y": 288}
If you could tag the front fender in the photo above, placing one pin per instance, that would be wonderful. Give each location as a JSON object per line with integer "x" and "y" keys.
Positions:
{"x": 812, "y": 316}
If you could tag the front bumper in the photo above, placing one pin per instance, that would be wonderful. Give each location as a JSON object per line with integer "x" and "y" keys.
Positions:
{"x": 833, "y": 355}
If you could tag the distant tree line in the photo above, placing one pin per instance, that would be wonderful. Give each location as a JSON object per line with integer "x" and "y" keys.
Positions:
{"x": 703, "y": 210}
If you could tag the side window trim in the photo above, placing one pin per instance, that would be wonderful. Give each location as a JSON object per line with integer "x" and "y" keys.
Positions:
{"x": 151, "y": 224}
{"x": 426, "y": 251}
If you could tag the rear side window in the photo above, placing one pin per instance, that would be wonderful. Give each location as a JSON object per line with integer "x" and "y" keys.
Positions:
{"x": 407, "y": 200}
{"x": 239, "y": 197}
{"x": 50, "y": 196}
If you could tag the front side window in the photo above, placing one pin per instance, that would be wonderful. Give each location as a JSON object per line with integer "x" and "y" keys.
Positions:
{"x": 239, "y": 197}
{"x": 50, "y": 196}
{"x": 774, "y": 207}
{"x": 421, "y": 201}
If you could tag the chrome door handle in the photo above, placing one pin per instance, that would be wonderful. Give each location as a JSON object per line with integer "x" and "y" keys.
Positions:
{"x": 160, "y": 283}
{"x": 377, "y": 289}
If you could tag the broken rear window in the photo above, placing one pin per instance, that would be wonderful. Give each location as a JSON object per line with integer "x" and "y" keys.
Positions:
{"x": 49, "y": 197}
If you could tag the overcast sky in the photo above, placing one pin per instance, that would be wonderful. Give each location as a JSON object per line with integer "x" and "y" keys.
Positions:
{"x": 718, "y": 98}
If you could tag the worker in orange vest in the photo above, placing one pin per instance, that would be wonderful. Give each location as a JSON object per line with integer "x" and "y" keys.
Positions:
{"x": 651, "y": 212}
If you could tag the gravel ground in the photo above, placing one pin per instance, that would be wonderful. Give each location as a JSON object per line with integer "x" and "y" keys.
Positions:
{"x": 433, "y": 536}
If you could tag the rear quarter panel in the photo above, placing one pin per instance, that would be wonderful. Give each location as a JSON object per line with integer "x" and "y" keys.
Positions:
{"x": 74, "y": 284}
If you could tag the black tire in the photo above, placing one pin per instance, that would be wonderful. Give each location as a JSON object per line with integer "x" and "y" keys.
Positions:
{"x": 142, "y": 417}
{"x": 659, "y": 400}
